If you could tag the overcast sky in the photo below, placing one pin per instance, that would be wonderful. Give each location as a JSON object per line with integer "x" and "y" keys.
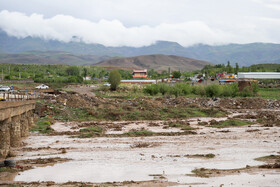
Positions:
{"x": 142, "y": 22}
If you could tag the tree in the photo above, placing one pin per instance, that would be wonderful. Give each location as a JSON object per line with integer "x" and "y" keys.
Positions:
{"x": 73, "y": 70}
{"x": 153, "y": 74}
{"x": 236, "y": 68}
{"x": 114, "y": 79}
{"x": 85, "y": 72}
{"x": 229, "y": 68}
{"x": 176, "y": 74}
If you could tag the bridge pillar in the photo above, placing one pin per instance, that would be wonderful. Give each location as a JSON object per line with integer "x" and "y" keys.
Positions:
{"x": 30, "y": 119}
{"x": 4, "y": 138}
{"x": 15, "y": 131}
{"x": 24, "y": 125}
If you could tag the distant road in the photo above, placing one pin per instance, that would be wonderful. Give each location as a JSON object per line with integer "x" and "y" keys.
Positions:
{"x": 84, "y": 90}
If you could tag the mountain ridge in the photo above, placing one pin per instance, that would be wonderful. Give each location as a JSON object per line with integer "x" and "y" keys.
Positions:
{"x": 158, "y": 62}
{"x": 244, "y": 54}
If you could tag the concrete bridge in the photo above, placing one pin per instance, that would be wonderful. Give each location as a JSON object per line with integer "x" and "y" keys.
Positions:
{"x": 16, "y": 117}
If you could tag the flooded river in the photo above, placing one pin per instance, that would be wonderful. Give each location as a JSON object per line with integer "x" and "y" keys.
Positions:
{"x": 117, "y": 159}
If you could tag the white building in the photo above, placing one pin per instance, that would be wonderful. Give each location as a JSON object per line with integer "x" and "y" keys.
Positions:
{"x": 259, "y": 75}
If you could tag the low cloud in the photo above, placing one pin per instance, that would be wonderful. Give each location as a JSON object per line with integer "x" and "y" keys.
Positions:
{"x": 114, "y": 33}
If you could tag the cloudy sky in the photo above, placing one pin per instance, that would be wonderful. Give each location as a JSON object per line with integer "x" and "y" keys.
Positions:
{"x": 143, "y": 22}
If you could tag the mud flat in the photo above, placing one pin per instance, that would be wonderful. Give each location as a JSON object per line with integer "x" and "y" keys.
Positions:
{"x": 161, "y": 160}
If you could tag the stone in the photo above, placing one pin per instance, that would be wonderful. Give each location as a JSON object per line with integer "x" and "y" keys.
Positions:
{"x": 4, "y": 138}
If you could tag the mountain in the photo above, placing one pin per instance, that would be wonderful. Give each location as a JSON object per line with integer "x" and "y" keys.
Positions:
{"x": 51, "y": 57}
{"x": 244, "y": 54}
{"x": 156, "y": 62}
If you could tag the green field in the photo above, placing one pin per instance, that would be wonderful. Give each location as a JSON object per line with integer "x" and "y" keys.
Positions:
{"x": 270, "y": 93}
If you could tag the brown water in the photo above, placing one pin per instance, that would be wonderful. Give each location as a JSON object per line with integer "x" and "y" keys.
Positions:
{"x": 113, "y": 159}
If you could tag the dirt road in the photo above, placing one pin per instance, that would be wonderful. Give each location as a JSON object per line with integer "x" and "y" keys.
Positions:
{"x": 83, "y": 90}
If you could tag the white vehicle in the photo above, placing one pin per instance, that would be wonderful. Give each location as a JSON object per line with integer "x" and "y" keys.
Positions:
{"x": 5, "y": 89}
{"x": 42, "y": 86}
{"x": 107, "y": 84}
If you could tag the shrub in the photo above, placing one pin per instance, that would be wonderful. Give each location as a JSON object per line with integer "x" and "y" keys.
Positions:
{"x": 135, "y": 89}
{"x": 185, "y": 88}
{"x": 234, "y": 89}
{"x": 7, "y": 77}
{"x": 213, "y": 90}
{"x": 176, "y": 91}
{"x": 226, "y": 91}
{"x": 246, "y": 92}
{"x": 163, "y": 88}
{"x": 255, "y": 87}
{"x": 199, "y": 90}
{"x": 230, "y": 90}
{"x": 152, "y": 89}
{"x": 114, "y": 79}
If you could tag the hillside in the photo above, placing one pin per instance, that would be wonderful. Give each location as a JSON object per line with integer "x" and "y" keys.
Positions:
{"x": 156, "y": 62}
{"x": 51, "y": 57}
{"x": 244, "y": 54}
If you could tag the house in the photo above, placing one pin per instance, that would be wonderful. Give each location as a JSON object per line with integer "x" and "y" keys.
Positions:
{"x": 87, "y": 78}
{"x": 140, "y": 73}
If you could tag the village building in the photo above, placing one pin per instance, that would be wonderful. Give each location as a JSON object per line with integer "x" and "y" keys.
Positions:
{"x": 140, "y": 73}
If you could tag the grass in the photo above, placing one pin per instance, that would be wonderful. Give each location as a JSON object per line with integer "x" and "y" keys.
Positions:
{"x": 270, "y": 93}
{"x": 139, "y": 133}
{"x": 201, "y": 172}
{"x": 210, "y": 155}
{"x": 230, "y": 123}
{"x": 181, "y": 125}
{"x": 71, "y": 114}
{"x": 43, "y": 125}
{"x": 269, "y": 158}
{"x": 5, "y": 169}
{"x": 142, "y": 112}
{"x": 92, "y": 131}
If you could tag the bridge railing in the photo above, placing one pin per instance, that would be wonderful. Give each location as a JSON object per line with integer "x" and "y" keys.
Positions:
{"x": 18, "y": 96}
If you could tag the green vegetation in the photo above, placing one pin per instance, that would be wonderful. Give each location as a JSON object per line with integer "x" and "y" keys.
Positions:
{"x": 201, "y": 172}
{"x": 73, "y": 114}
{"x": 142, "y": 112}
{"x": 181, "y": 125}
{"x": 65, "y": 113}
{"x": 6, "y": 169}
{"x": 230, "y": 123}
{"x": 270, "y": 93}
{"x": 269, "y": 158}
{"x": 139, "y": 133}
{"x": 56, "y": 74}
{"x": 176, "y": 74}
{"x": 212, "y": 90}
{"x": 43, "y": 125}
{"x": 92, "y": 131}
{"x": 124, "y": 91}
{"x": 114, "y": 79}
{"x": 211, "y": 70}
{"x": 210, "y": 155}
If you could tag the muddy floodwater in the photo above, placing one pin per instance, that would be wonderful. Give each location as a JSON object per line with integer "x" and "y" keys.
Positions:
{"x": 109, "y": 159}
